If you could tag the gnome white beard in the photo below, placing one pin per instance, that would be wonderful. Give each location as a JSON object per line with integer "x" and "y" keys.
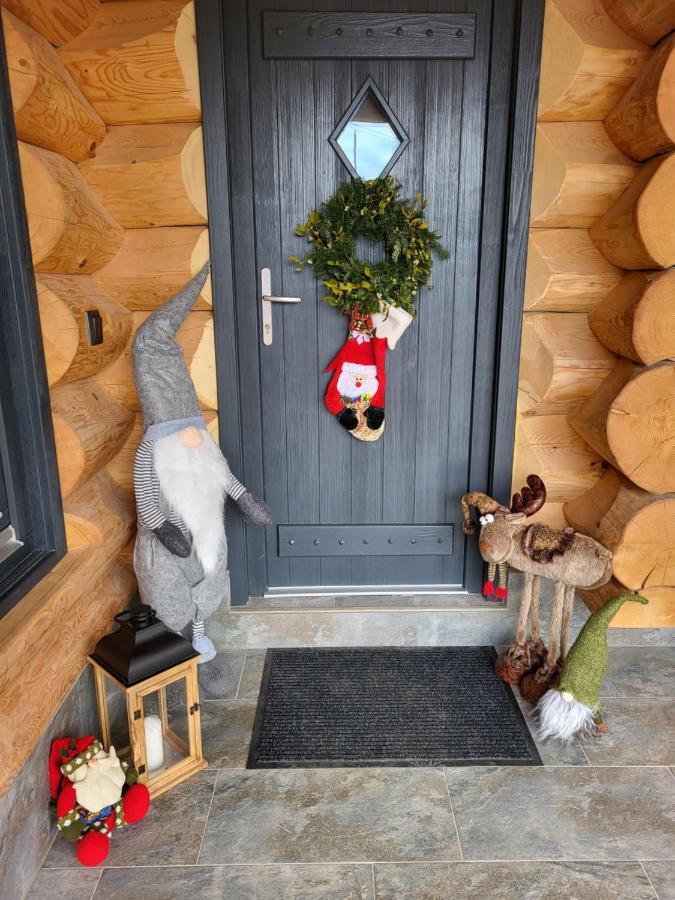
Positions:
{"x": 193, "y": 480}
{"x": 99, "y": 783}
{"x": 563, "y": 719}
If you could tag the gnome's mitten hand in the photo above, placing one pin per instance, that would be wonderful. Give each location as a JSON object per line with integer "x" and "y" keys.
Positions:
{"x": 255, "y": 511}
{"x": 374, "y": 417}
{"x": 173, "y": 539}
{"x": 347, "y": 418}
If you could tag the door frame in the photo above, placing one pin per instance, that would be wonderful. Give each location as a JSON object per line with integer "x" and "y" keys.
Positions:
{"x": 509, "y": 149}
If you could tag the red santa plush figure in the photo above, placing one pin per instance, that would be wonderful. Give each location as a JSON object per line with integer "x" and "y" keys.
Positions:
{"x": 95, "y": 793}
{"x": 355, "y": 393}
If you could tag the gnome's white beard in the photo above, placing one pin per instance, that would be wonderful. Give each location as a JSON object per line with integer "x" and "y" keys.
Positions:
{"x": 99, "y": 783}
{"x": 563, "y": 719}
{"x": 193, "y": 480}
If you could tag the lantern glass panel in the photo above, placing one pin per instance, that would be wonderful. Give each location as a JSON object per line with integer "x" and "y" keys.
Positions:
{"x": 118, "y": 720}
{"x": 165, "y": 719}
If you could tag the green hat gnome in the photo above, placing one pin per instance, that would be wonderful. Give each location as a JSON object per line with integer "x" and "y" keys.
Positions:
{"x": 573, "y": 707}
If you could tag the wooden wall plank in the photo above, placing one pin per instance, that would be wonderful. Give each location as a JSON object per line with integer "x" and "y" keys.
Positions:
{"x": 49, "y": 108}
{"x": 137, "y": 62}
{"x": 587, "y": 62}
{"x": 58, "y": 21}
{"x": 149, "y": 175}
{"x": 64, "y": 301}
{"x": 70, "y": 231}
{"x": 154, "y": 263}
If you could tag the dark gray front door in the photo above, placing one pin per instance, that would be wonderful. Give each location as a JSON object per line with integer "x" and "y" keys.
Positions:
{"x": 288, "y": 81}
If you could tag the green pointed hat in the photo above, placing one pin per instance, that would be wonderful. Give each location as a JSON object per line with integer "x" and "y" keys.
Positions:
{"x": 584, "y": 668}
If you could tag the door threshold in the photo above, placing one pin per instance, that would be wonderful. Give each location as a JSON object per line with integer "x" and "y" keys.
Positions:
{"x": 359, "y": 602}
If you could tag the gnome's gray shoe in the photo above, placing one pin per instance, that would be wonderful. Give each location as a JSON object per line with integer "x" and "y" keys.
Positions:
{"x": 204, "y": 645}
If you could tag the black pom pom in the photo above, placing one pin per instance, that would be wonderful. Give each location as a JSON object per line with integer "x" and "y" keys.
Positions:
{"x": 374, "y": 417}
{"x": 348, "y": 419}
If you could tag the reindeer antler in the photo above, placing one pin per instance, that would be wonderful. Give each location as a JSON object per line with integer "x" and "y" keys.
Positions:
{"x": 530, "y": 499}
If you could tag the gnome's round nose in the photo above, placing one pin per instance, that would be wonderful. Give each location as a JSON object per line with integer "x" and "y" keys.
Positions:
{"x": 164, "y": 386}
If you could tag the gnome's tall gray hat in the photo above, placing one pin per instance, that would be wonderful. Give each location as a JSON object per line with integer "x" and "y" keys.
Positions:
{"x": 165, "y": 389}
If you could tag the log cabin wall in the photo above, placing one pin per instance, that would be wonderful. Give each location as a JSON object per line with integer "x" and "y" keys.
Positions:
{"x": 107, "y": 111}
{"x": 596, "y": 408}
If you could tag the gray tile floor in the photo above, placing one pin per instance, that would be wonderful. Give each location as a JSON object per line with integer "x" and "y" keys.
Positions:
{"x": 597, "y": 821}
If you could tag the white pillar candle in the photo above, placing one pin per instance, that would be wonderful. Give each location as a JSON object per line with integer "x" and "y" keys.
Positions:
{"x": 154, "y": 743}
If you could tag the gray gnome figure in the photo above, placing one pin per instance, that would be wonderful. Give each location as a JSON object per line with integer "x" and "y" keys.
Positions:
{"x": 181, "y": 481}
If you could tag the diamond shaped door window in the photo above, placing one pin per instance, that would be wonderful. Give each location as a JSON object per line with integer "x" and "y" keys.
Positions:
{"x": 369, "y": 138}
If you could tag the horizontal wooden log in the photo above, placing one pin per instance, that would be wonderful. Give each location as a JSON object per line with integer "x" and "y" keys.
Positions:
{"x": 646, "y": 20}
{"x": 44, "y": 659}
{"x": 637, "y": 319}
{"x": 64, "y": 301}
{"x": 659, "y": 613}
{"x": 561, "y": 363}
{"x": 549, "y": 446}
{"x": 121, "y": 467}
{"x": 58, "y": 21}
{"x": 630, "y": 422}
{"x": 49, "y": 108}
{"x": 70, "y": 231}
{"x": 148, "y": 175}
{"x": 642, "y": 123}
{"x": 196, "y": 339}
{"x": 90, "y": 427}
{"x": 137, "y": 62}
{"x": 578, "y": 174}
{"x": 638, "y": 230}
{"x": 154, "y": 263}
{"x": 638, "y": 527}
{"x": 587, "y": 62}
{"x": 565, "y": 271}
{"x": 99, "y": 513}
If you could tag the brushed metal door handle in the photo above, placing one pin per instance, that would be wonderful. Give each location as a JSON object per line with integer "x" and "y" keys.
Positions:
{"x": 267, "y": 299}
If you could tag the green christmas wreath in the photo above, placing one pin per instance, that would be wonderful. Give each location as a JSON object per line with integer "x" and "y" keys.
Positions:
{"x": 372, "y": 210}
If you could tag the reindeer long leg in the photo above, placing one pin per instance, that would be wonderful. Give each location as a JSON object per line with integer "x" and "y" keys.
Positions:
{"x": 525, "y": 608}
{"x": 556, "y": 621}
{"x": 502, "y": 571}
{"x": 568, "y": 609}
{"x": 534, "y": 623}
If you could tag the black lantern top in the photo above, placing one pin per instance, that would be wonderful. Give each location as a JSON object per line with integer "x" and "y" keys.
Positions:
{"x": 141, "y": 647}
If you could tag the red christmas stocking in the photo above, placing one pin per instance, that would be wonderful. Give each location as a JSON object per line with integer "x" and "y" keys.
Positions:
{"x": 355, "y": 393}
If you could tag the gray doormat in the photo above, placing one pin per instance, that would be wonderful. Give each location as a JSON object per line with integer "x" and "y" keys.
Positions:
{"x": 387, "y": 706}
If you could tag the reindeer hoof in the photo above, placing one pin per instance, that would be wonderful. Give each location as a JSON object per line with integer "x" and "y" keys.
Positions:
{"x": 488, "y": 588}
{"x": 512, "y": 665}
{"x": 535, "y": 684}
{"x": 502, "y": 593}
{"x": 603, "y": 728}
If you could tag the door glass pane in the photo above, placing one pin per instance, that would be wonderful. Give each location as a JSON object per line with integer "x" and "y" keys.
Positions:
{"x": 165, "y": 717}
{"x": 368, "y": 139}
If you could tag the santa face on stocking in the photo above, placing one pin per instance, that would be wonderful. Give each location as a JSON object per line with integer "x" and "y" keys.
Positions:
{"x": 357, "y": 381}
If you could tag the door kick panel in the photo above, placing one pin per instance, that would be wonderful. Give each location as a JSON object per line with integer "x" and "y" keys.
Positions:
{"x": 365, "y": 540}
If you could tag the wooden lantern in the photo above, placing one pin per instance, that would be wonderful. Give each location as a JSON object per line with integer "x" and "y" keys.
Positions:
{"x": 147, "y": 694}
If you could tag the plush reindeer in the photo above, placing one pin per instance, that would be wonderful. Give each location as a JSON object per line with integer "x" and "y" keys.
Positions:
{"x": 569, "y": 559}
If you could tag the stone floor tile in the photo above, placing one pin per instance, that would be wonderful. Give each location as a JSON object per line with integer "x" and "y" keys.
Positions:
{"x": 553, "y": 753}
{"x": 621, "y": 637}
{"x": 512, "y": 881}
{"x": 640, "y": 672}
{"x": 226, "y": 732}
{"x": 662, "y": 877}
{"x": 76, "y": 884}
{"x": 219, "y": 679}
{"x": 571, "y": 813}
{"x": 170, "y": 834}
{"x": 641, "y": 733}
{"x": 329, "y": 815}
{"x": 249, "y": 687}
{"x": 309, "y": 882}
